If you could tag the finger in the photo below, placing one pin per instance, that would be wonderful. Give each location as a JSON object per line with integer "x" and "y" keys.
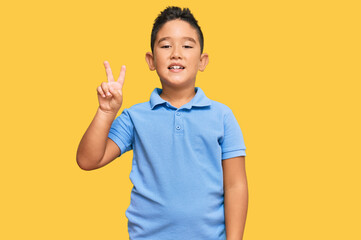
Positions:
{"x": 100, "y": 91}
{"x": 105, "y": 87}
{"x": 121, "y": 75}
{"x": 117, "y": 94}
{"x": 108, "y": 71}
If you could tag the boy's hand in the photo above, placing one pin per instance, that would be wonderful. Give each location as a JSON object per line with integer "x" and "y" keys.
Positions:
{"x": 110, "y": 95}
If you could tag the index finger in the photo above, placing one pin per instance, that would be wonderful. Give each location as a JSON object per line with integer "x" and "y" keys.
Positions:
{"x": 108, "y": 71}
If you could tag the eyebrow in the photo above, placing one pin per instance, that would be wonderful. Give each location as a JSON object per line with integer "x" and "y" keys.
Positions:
{"x": 186, "y": 38}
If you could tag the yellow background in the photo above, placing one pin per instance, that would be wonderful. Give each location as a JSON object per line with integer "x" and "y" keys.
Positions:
{"x": 289, "y": 70}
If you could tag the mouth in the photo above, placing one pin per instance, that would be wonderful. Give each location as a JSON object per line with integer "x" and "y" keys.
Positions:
{"x": 175, "y": 67}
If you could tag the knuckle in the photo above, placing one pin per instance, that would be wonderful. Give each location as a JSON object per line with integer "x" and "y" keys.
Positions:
{"x": 104, "y": 85}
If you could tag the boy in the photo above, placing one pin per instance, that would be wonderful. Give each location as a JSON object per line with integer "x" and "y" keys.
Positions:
{"x": 188, "y": 166}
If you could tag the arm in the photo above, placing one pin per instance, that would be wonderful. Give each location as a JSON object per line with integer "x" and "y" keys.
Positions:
{"x": 235, "y": 196}
{"x": 95, "y": 148}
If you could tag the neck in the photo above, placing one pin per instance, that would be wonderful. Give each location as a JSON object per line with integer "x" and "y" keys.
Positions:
{"x": 178, "y": 96}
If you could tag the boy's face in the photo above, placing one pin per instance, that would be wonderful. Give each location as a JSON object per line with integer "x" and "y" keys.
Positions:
{"x": 177, "y": 55}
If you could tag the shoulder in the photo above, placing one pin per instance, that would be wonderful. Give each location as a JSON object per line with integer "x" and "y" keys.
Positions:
{"x": 136, "y": 112}
{"x": 221, "y": 108}
{"x": 138, "y": 107}
{"x": 129, "y": 115}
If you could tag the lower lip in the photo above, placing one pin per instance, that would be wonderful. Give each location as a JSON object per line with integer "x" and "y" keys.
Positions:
{"x": 176, "y": 70}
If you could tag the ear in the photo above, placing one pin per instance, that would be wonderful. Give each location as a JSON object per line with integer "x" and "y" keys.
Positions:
{"x": 150, "y": 60}
{"x": 203, "y": 62}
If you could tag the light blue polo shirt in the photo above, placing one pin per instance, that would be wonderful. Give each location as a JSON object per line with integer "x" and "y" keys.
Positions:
{"x": 177, "y": 166}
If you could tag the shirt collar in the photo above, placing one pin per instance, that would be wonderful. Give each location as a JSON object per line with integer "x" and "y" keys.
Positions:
{"x": 199, "y": 100}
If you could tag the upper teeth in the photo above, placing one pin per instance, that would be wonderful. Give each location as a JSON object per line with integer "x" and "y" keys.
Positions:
{"x": 176, "y": 67}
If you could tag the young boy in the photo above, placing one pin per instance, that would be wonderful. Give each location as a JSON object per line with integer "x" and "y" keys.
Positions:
{"x": 188, "y": 166}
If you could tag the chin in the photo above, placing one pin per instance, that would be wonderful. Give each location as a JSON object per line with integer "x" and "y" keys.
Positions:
{"x": 175, "y": 83}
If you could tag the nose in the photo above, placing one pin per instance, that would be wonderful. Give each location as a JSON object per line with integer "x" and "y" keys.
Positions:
{"x": 176, "y": 52}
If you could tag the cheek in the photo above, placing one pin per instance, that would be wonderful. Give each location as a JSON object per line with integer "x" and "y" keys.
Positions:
{"x": 159, "y": 62}
{"x": 195, "y": 64}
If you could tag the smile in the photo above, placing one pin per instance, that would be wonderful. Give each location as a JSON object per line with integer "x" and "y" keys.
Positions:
{"x": 176, "y": 67}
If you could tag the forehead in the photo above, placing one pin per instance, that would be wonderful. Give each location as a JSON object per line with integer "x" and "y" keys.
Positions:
{"x": 177, "y": 29}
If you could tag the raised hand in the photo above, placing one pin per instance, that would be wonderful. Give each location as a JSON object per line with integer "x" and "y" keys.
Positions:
{"x": 110, "y": 95}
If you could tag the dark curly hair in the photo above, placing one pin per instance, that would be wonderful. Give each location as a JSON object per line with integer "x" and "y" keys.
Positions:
{"x": 172, "y": 13}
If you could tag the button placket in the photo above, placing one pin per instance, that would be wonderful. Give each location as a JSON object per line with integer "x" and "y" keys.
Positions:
{"x": 178, "y": 123}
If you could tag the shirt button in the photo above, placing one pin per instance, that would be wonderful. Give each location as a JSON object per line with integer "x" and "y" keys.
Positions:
{"x": 178, "y": 113}
{"x": 178, "y": 127}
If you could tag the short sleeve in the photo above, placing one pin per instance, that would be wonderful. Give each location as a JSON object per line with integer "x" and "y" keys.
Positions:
{"x": 121, "y": 132}
{"x": 232, "y": 143}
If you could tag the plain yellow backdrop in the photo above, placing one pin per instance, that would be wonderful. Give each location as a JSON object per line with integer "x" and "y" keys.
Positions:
{"x": 289, "y": 70}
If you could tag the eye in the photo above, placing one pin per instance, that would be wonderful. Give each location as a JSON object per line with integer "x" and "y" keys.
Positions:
{"x": 187, "y": 46}
{"x": 165, "y": 46}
